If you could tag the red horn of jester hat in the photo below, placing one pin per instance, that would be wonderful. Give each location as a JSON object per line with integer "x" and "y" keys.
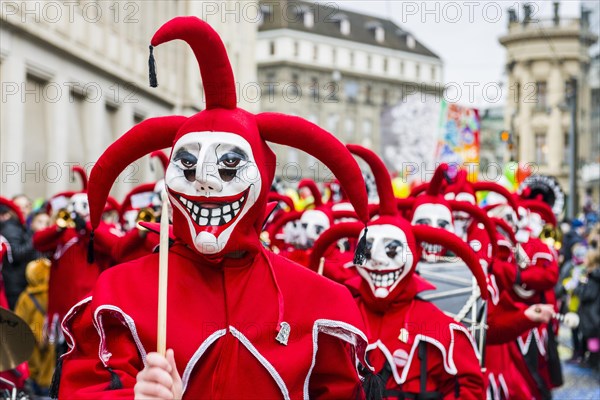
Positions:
{"x": 479, "y": 216}
{"x": 314, "y": 191}
{"x": 541, "y": 208}
{"x": 14, "y": 208}
{"x": 460, "y": 189}
{"x": 338, "y": 231}
{"x": 433, "y": 190}
{"x": 274, "y": 196}
{"x": 220, "y": 167}
{"x": 389, "y": 215}
{"x": 82, "y": 175}
{"x": 162, "y": 157}
{"x": 499, "y": 189}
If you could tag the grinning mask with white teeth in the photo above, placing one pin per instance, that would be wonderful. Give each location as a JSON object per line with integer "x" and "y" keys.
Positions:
{"x": 437, "y": 216}
{"x": 78, "y": 203}
{"x": 389, "y": 259}
{"x": 212, "y": 181}
{"x": 313, "y": 223}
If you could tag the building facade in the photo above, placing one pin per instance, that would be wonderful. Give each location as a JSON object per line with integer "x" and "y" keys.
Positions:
{"x": 338, "y": 69}
{"x": 544, "y": 58}
{"x": 75, "y": 78}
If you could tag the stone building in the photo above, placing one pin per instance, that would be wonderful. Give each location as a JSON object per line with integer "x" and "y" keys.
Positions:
{"x": 543, "y": 57}
{"x": 75, "y": 77}
{"x": 338, "y": 69}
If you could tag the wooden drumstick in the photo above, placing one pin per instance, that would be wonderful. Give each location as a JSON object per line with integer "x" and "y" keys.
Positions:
{"x": 321, "y": 266}
{"x": 163, "y": 274}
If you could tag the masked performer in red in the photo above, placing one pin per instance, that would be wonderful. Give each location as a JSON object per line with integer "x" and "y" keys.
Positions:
{"x": 241, "y": 322}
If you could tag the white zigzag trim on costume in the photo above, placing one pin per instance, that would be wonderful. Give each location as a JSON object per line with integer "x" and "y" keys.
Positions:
{"x": 447, "y": 357}
{"x": 126, "y": 320}
{"x": 504, "y": 386}
{"x": 199, "y": 353}
{"x": 493, "y": 289}
{"x": 524, "y": 344}
{"x": 70, "y": 314}
{"x": 492, "y": 392}
{"x": 341, "y": 330}
{"x": 62, "y": 249}
{"x": 265, "y": 363}
{"x": 540, "y": 340}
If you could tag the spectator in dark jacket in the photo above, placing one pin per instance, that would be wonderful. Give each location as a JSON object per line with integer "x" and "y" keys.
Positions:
{"x": 589, "y": 307}
{"x": 22, "y": 252}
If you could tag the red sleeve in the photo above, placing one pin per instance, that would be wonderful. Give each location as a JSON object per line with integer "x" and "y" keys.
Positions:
{"x": 507, "y": 321}
{"x": 124, "y": 245}
{"x": 334, "y": 375}
{"x": 542, "y": 275}
{"x": 468, "y": 382}
{"x": 83, "y": 374}
{"x": 47, "y": 239}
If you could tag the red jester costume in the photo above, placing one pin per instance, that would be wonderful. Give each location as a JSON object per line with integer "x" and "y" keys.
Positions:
{"x": 242, "y": 321}
{"x": 417, "y": 350}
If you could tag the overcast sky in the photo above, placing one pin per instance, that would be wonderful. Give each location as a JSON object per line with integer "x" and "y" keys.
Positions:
{"x": 464, "y": 34}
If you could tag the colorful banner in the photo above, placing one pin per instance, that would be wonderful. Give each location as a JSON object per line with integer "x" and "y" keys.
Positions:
{"x": 458, "y": 140}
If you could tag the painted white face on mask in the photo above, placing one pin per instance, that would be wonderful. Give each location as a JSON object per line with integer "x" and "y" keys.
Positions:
{"x": 536, "y": 224}
{"x": 78, "y": 203}
{"x": 505, "y": 212}
{"x": 436, "y": 216}
{"x": 314, "y": 223}
{"x": 292, "y": 233}
{"x": 389, "y": 259}
{"x": 213, "y": 180}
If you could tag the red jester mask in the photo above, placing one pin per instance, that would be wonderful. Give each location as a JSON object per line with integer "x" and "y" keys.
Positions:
{"x": 212, "y": 181}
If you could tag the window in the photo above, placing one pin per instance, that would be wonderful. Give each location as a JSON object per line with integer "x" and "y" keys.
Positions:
{"x": 309, "y": 19}
{"x": 385, "y": 65}
{"x": 379, "y": 34}
{"x": 351, "y": 91}
{"x": 541, "y": 149}
{"x": 270, "y": 83}
{"x": 369, "y": 62}
{"x": 417, "y": 71}
{"x": 410, "y": 41}
{"x": 345, "y": 27}
{"x": 541, "y": 100}
{"x": 314, "y": 88}
{"x": 315, "y": 52}
{"x": 334, "y": 55}
{"x": 352, "y": 59}
{"x": 433, "y": 72}
{"x": 272, "y": 48}
{"x": 295, "y": 86}
{"x": 368, "y": 94}
{"x": 296, "y": 49}
{"x": 385, "y": 95}
{"x": 401, "y": 67}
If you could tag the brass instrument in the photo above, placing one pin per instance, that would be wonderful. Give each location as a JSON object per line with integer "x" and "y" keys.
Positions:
{"x": 552, "y": 236}
{"x": 146, "y": 214}
{"x": 64, "y": 219}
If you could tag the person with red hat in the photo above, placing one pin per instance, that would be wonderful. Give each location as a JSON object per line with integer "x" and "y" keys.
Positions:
{"x": 72, "y": 274}
{"x": 241, "y": 321}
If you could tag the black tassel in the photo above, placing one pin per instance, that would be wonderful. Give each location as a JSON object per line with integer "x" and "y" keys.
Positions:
{"x": 90, "y": 252}
{"x": 373, "y": 385}
{"x": 152, "y": 68}
{"x": 54, "y": 386}
{"x": 360, "y": 254}
{"x": 115, "y": 381}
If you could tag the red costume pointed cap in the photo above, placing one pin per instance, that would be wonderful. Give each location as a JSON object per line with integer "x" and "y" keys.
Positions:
{"x": 13, "y": 207}
{"x": 234, "y": 176}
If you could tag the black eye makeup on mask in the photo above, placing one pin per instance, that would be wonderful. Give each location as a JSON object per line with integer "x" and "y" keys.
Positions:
{"x": 187, "y": 162}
